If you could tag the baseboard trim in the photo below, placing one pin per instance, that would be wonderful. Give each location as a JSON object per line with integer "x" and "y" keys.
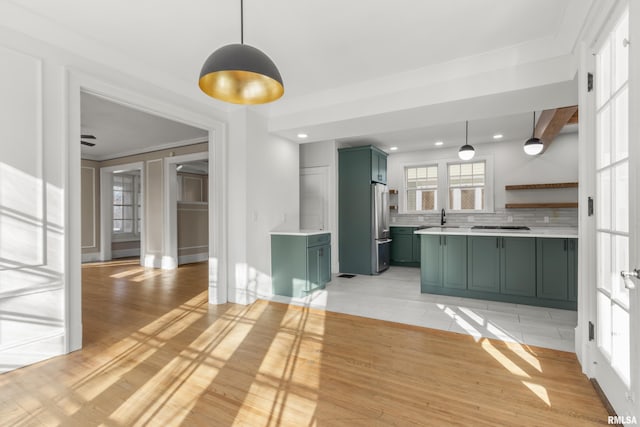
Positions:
{"x": 91, "y": 257}
{"x": 125, "y": 253}
{"x": 603, "y": 397}
{"x": 188, "y": 259}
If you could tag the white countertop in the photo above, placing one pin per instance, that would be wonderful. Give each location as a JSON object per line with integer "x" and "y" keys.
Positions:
{"x": 298, "y": 232}
{"x": 556, "y": 232}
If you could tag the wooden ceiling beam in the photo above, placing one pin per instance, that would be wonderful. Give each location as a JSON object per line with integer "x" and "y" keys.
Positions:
{"x": 551, "y": 122}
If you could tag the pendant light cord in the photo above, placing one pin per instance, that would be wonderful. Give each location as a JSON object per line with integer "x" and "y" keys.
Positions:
{"x": 466, "y": 135}
{"x": 533, "y": 127}
{"x": 241, "y": 22}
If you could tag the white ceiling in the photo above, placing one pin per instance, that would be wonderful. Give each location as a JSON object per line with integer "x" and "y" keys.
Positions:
{"x": 122, "y": 131}
{"x": 317, "y": 45}
{"x": 341, "y": 61}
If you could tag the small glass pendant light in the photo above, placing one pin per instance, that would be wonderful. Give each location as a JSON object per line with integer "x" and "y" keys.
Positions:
{"x": 534, "y": 145}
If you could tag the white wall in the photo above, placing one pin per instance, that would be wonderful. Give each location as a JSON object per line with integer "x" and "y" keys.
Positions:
{"x": 263, "y": 196}
{"x": 559, "y": 163}
{"x": 325, "y": 154}
{"x": 40, "y": 271}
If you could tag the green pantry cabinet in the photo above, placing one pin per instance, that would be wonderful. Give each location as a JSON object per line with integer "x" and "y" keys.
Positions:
{"x": 405, "y": 246}
{"x": 523, "y": 270}
{"x": 358, "y": 168}
{"x": 300, "y": 262}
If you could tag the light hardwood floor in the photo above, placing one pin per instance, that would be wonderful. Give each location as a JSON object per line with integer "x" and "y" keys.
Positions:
{"x": 157, "y": 354}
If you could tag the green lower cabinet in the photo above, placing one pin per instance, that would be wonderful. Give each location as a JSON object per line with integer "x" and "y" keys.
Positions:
{"x": 519, "y": 270}
{"x": 405, "y": 247}
{"x": 483, "y": 261}
{"x": 454, "y": 271}
{"x": 401, "y": 247}
{"x": 518, "y": 266}
{"x": 300, "y": 264}
{"x": 431, "y": 261}
{"x": 443, "y": 262}
{"x": 573, "y": 269}
{"x": 553, "y": 268}
{"x": 505, "y": 265}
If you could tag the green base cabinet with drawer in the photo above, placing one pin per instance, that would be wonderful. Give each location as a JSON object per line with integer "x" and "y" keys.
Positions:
{"x": 405, "y": 247}
{"x": 443, "y": 262}
{"x": 300, "y": 264}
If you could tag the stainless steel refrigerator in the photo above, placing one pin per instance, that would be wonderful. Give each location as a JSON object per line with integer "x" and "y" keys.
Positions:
{"x": 381, "y": 243}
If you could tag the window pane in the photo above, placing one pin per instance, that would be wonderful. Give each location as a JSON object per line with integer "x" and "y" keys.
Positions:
{"x": 603, "y": 141}
{"x": 117, "y": 225}
{"x": 621, "y": 247}
{"x": 127, "y": 226}
{"x": 117, "y": 197}
{"x": 603, "y": 213}
{"x": 466, "y": 186}
{"x": 604, "y": 324}
{"x": 117, "y": 212}
{"x": 620, "y": 350}
{"x": 621, "y": 125}
{"x": 604, "y": 261}
{"x": 603, "y": 69}
{"x": 621, "y": 53}
{"x": 621, "y": 197}
{"x": 127, "y": 212}
{"x": 421, "y": 185}
{"x": 127, "y": 198}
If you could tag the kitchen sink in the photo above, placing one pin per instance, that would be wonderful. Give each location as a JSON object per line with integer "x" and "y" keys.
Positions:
{"x": 500, "y": 227}
{"x": 440, "y": 226}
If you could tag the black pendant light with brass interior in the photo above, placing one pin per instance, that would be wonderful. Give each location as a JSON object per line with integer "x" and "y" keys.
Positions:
{"x": 241, "y": 74}
{"x": 466, "y": 152}
{"x": 534, "y": 145}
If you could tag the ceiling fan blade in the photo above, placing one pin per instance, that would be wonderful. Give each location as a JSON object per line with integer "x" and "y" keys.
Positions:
{"x": 88, "y": 144}
{"x": 88, "y": 136}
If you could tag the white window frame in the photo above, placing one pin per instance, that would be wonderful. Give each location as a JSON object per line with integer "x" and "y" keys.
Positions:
{"x": 135, "y": 203}
{"x": 488, "y": 185}
{"x": 443, "y": 184}
{"x": 405, "y": 189}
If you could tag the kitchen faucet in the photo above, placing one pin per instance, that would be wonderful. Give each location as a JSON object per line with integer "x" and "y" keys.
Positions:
{"x": 443, "y": 221}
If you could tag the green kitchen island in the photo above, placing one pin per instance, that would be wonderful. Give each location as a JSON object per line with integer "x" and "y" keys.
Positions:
{"x": 534, "y": 267}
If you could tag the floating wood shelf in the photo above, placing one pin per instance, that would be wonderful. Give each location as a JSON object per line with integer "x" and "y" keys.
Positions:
{"x": 541, "y": 205}
{"x": 392, "y": 191}
{"x": 393, "y": 207}
{"x": 541, "y": 186}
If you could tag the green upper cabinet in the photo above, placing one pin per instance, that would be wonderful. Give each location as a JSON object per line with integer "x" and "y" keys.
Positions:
{"x": 553, "y": 268}
{"x": 518, "y": 266}
{"x": 378, "y": 166}
{"x": 443, "y": 261}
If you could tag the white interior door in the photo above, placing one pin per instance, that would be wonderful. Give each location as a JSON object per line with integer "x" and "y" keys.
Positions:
{"x": 617, "y": 331}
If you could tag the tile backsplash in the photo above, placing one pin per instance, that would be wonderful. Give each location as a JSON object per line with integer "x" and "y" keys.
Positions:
{"x": 557, "y": 217}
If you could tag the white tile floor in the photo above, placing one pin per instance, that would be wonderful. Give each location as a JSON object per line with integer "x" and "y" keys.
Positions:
{"x": 395, "y": 296}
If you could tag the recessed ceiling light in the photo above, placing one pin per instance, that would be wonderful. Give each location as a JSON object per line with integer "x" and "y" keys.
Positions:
{"x": 438, "y": 143}
{"x": 393, "y": 148}
{"x": 302, "y": 135}
{"x": 498, "y": 136}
